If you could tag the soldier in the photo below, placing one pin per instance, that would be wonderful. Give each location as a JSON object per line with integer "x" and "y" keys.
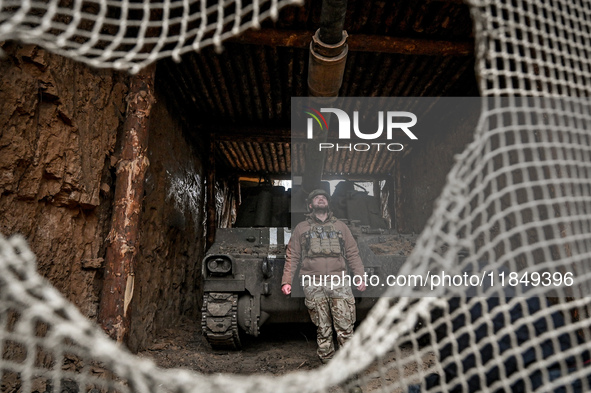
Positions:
{"x": 324, "y": 246}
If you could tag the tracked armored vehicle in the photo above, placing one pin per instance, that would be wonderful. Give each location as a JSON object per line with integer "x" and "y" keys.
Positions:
{"x": 242, "y": 270}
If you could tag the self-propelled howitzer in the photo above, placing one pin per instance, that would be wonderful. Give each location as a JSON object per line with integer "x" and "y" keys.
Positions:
{"x": 242, "y": 270}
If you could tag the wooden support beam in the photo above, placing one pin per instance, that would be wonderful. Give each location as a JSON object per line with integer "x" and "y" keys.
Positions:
{"x": 325, "y": 176}
{"x": 358, "y": 43}
{"x": 266, "y": 135}
{"x": 118, "y": 283}
{"x": 252, "y": 134}
{"x": 211, "y": 207}
{"x": 409, "y": 46}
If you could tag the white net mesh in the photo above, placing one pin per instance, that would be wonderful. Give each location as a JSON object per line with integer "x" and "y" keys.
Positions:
{"x": 127, "y": 34}
{"x": 518, "y": 200}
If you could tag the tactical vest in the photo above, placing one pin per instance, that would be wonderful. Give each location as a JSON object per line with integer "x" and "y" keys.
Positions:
{"x": 323, "y": 240}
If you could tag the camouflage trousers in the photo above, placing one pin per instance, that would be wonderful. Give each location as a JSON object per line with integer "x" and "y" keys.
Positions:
{"x": 330, "y": 307}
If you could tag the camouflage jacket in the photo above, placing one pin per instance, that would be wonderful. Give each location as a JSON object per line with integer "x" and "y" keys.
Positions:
{"x": 296, "y": 254}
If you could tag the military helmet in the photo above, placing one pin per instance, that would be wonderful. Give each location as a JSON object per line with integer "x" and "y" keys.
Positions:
{"x": 316, "y": 192}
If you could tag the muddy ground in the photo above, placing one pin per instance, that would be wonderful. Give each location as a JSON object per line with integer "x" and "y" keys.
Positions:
{"x": 280, "y": 349}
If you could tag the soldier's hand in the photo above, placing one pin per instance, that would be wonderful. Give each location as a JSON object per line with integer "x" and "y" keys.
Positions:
{"x": 361, "y": 287}
{"x": 286, "y": 289}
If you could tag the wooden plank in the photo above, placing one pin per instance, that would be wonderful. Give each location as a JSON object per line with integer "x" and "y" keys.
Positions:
{"x": 358, "y": 43}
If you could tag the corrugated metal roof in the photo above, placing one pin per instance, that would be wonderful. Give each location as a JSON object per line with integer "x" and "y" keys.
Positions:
{"x": 241, "y": 97}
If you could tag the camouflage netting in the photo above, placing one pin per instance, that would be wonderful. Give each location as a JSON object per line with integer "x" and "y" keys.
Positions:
{"x": 518, "y": 199}
{"x": 126, "y": 34}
